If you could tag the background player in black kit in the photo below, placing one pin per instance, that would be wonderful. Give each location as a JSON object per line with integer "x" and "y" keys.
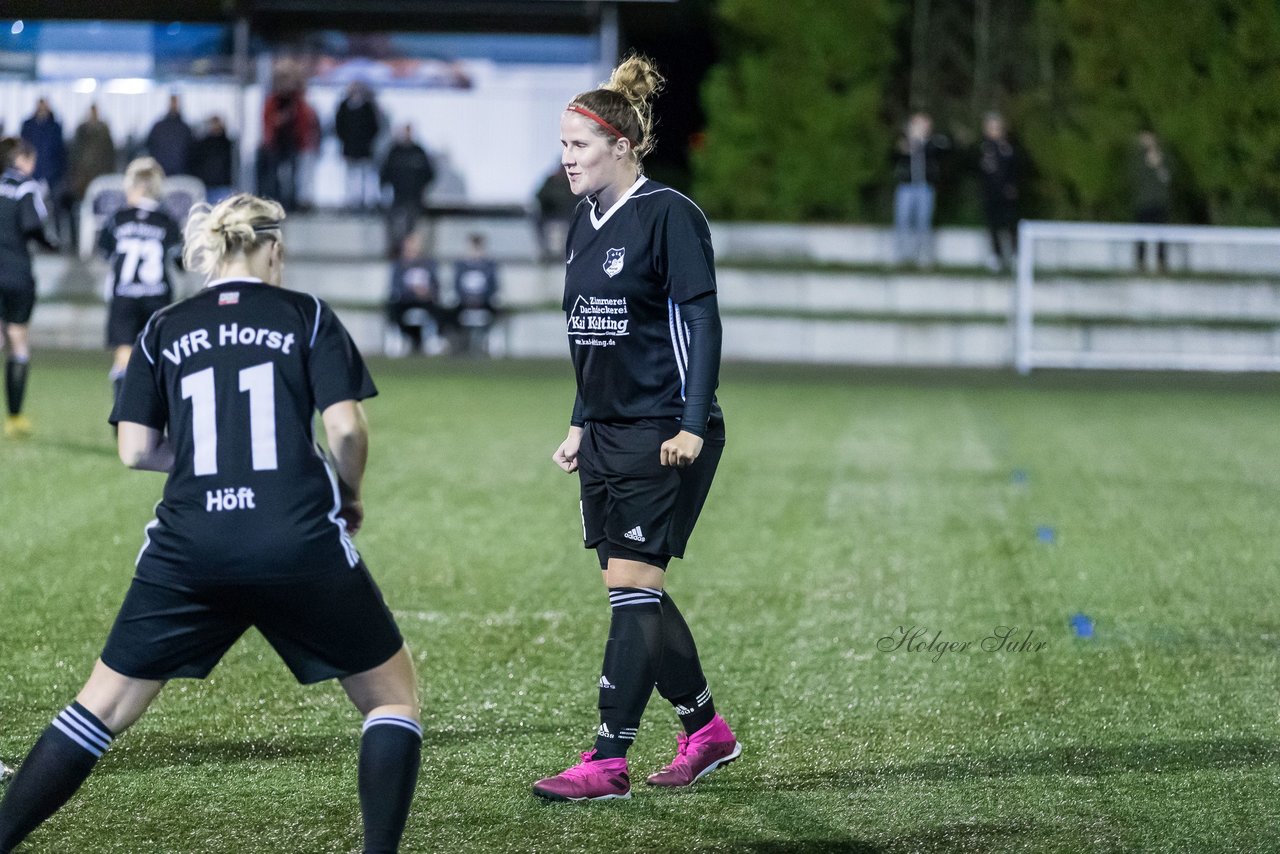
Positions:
{"x": 140, "y": 241}
{"x": 22, "y": 219}
{"x": 646, "y": 432}
{"x": 254, "y": 527}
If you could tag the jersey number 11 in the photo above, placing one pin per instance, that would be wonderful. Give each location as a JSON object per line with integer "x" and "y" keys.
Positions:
{"x": 260, "y": 383}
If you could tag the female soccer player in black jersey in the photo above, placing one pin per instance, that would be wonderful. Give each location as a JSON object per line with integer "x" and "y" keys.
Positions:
{"x": 646, "y": 432}
{"x": 139, "y": 241}
{"x": 22, "y": 219}
{"x": 255, "y": 525}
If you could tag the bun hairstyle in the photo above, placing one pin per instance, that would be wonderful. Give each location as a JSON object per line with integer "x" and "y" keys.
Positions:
{"x": 145, "y": 174}
{"x": 237, "y": 225}
{"x": 623, "y": 106}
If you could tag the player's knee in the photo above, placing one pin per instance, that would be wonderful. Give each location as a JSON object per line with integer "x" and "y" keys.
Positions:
{"x": 390, "y": 684}
{"x": 118, "y": 707}
{"x": 617, "y": 552}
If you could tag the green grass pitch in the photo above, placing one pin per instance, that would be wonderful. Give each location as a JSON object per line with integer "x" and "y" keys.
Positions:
{"x": 849, "y": 504}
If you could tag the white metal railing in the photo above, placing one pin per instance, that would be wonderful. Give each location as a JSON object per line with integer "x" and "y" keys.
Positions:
{"x": 1030, "y": 232}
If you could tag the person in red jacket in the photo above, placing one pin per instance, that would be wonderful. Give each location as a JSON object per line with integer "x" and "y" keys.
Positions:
{"x": 290, "y": 129}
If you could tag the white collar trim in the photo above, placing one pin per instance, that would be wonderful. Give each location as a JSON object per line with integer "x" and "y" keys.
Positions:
{"x": 245, "y": 279}
{"x": 597, "y": 222}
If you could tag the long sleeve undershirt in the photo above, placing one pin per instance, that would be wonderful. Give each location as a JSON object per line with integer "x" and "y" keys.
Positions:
{"x": 701, "y": 317}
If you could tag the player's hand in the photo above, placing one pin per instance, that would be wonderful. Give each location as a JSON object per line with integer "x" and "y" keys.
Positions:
{"x": 566, "y": 456}
{"x": 681, "y": 449}
{"x": 352, "y": 513}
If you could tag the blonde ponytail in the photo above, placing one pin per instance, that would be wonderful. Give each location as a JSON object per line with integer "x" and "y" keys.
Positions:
{"x": 236, "y": 225}
{"x": 625, "y": 103}
{"x": 146, "y": 175}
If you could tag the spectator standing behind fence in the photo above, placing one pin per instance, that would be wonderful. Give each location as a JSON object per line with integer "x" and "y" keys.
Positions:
{"x": 556, "y": 202}
{"x": 92, "y": 154}
{"x": 917, "y": 167}
{"x": 475, "y": 281}
{"x": 289, "y": 129}
{"x": 212, "y": 161}
{"x": 408, "y": 172}
{"x": 44, "y": 132}
{"x": 357, "y": 124}
{"x": 169, "y": 141}
{"x": 415, "y": 302}
{"x": 998, "y": 173}
{"x": 1152, "y": 180}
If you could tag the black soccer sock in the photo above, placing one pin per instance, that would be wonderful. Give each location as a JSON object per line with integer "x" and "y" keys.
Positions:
{"x": 630, "y": 666}
{"x": 15, "y": 382}
{"x": 680, "y": 679}
{"x": 52, "y": 772}
{"x": 390, "y": 752}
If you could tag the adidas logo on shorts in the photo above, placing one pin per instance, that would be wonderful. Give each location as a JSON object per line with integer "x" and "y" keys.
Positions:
{"x": 604, "y": 682}
{"x": 635, "y": 534}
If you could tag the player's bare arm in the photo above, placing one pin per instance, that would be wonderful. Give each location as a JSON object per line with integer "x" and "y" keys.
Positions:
{"x": 144, "y": 448}
{"x": 347, "y": 432}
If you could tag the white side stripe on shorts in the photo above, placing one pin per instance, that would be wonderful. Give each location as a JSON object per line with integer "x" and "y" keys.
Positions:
{"x": 393, "y": 720}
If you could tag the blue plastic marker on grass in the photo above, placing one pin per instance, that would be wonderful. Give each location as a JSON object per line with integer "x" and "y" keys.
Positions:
{"x": 1083, "y": 625}
{"x": 1046, "y": 534}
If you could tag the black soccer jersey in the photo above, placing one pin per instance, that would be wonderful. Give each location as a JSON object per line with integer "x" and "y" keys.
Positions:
{"x": 139, "y": 244}
{"x": 236, "y": 374}
{"x": 627, "y": 272}
{"x": 22, "y": 219}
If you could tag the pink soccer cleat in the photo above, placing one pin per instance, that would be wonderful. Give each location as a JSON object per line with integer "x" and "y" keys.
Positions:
{"x": 698, "y": 755}
{"x": 589, "y": 780}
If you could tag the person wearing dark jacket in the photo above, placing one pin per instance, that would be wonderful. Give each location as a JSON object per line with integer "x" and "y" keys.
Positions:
{"x": 22, "y": 219}
{"x": 415, "y": 302}
{"x": 475, "y": 282}
{"x": 170, "y": 140}
{"x": 212, "y": 161}
{"x": 44, "y": 132}
{"x": 556, "y": 203}
{"x": 1152, "y": 180}
{"x": 998, "y": 174}
{"x": 357, "y": 125}
{"x": 407, "y": 170}
{"x": 93, "y": 152}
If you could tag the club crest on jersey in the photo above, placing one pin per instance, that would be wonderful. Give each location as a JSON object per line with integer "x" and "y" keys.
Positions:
{"x": 613, "y": 261}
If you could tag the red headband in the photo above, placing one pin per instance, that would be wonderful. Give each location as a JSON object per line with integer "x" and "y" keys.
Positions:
{"x": 574, "y": 108}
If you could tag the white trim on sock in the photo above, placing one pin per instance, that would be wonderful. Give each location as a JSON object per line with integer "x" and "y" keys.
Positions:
{"x": 392, "y": 720}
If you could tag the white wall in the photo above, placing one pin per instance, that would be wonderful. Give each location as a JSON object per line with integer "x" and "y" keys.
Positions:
{"x": 493, "y": 143}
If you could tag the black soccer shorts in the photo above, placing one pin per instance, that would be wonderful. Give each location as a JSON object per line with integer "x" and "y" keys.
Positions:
{"x": 334, "y": 626}
{"x": 17, "y": 300}
{"x": 629, "y": 498}
{"x": 127, "y": 316}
